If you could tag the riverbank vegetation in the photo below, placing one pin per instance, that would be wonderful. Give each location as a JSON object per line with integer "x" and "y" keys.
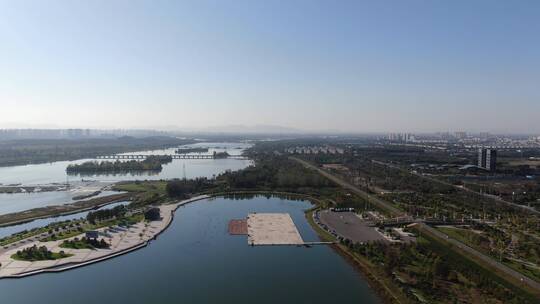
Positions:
{"x": 218, "y": 155}
{"x": 42, "y": 212}
{"x": 101, "y": 215}
{"x": 151, "y": 163}
{"x": 35, "y": 253}
{"x": 34, "y": 151}
{"x": 191, "y": 150}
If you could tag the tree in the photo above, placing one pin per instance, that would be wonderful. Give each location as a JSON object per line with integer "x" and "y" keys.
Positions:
{"x": 391, "y": 259}
{"x": 152, "y": 214}
{"x": 440, "y": 268}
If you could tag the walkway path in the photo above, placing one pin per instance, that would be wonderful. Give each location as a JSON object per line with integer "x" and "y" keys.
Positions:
{"x": 122, "y": 240}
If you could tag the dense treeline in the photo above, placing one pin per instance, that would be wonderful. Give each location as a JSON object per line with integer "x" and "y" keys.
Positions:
{"x": 220, "y": 154}
{"x": 151, "y": 163}
{"x": 275, "y": 173}
{"x": 185, "y": 187}
{"x": 106, "y": 214}
{"x": 85, "y": 243}
{"x": 16, "y": 152}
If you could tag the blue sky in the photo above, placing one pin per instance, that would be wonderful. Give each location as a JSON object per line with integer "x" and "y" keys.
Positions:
{"x": 359, "y": 66}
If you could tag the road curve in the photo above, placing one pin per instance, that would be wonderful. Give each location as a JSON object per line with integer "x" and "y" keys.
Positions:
{"x": 491, "y": 262}
{"x": 344, "y": 184}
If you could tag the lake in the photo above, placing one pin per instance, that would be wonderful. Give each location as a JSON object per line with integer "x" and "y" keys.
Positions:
{"x": 197, "y": 261}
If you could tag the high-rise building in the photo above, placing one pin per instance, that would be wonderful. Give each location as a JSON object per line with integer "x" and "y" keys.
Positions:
{"x": 487, "y": 159}
{"x": 484, "y": 135}
{"x": 461, "y": 135}
{"x": 399, "y": 137}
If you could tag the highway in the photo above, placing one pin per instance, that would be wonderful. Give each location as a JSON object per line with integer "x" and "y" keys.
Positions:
{"x": 488, "y": 260}
{"x": 431, "y": 179}
{"x": 370, "y": 198}
{"x": 491, "y": 262}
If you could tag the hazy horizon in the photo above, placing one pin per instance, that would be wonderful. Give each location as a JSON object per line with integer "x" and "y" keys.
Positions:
{"x": 378, "y": 66}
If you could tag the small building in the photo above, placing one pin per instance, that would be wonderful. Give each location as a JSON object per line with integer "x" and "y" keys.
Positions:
{"x": 92, "y": 234}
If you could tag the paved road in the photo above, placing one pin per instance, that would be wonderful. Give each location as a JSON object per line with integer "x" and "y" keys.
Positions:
{"x": 504, "y": 269}
{"x": 360, "y": 192}
{"x": 30, "y": 239}
{"x": 493, "y": 263}
{"x": 435, "y": 180}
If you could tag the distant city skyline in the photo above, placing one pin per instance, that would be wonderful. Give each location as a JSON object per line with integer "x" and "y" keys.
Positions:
{"x": 350, "y": 66}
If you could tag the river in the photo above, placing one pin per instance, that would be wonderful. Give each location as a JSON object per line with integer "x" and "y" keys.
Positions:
{"x": 196, "y": 261}
{"x": 55, "y": 172}
{"x": 9, "y": 230}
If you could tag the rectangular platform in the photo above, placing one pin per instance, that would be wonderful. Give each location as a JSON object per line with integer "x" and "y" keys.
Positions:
{"x": 238, "y": 227}
{"x": 272, "y": 229}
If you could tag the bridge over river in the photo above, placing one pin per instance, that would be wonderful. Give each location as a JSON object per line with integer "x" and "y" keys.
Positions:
{"x": 173, "y": 156}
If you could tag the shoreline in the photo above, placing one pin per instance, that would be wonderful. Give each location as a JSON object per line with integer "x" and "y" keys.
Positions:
{"x": 117, "y": 198}
{"x": 379, "y": 288}
{"x": 72, "y": 265}
{"x": 169, "y": 219}
{"x": 382, "y": 291}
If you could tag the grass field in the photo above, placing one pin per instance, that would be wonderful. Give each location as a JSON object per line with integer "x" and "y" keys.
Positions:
{"x": 463, "y": 235}
{"x": 158, "y": 187}
{"x": 54, "y": 256}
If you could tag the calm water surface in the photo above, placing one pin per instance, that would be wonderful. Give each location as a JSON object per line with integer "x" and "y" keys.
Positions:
{"x": 9, "y": 230}
{"x": 16, "y": 202}
{"x": 196, "y": 261}
{"x": 56, "y": 173}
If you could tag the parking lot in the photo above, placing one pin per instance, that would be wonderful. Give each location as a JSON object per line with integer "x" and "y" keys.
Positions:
{"x": 350, "y": 226}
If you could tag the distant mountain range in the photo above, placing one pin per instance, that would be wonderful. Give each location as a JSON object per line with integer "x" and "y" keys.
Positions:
{"x": 270, "y": 129}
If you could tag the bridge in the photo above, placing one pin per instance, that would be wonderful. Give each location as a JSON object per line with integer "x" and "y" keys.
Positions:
{"x": 173, "y": 156}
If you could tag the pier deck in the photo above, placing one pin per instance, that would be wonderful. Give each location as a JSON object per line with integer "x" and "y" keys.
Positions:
{"x": 272, "y": 229}
{"x": 238, "y": 227}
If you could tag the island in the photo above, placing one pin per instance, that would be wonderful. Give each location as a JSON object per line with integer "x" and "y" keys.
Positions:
{"x": 221, "y": 154}
{"x": 151, "y": 163}
{"x": 191, "y": 150}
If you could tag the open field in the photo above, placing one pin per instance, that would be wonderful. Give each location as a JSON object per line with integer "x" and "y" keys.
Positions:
{"x": 522, "y": 162}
